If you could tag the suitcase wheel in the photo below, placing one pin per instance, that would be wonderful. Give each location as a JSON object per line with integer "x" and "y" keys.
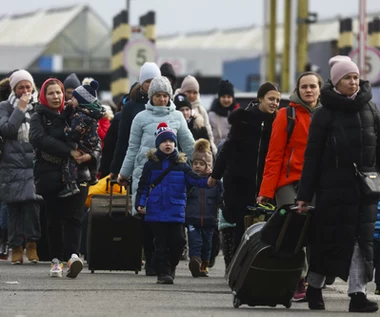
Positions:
{"x": 136, "y": 272}
{"x": 92, "y": 271}
{"x": 289, "y": 304}
{"x": 236, "y": 301}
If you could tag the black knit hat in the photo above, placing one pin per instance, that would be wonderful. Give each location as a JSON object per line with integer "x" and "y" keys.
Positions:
{"x": 167, "y": 70}
{"x": 181, "y": 101}
{"x": 226, "y": 88}
{"x": 264, "y": 88}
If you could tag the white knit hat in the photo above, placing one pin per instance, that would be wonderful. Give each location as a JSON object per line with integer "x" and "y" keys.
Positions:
{"x": 160, "y": 84}
{"x": 18, "y": 76}
{"x": 148, "y": 71}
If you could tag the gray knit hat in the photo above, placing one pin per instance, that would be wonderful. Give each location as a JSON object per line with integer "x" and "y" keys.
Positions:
{"x": 160, "y": 84}
{"x": 71, "y": 81}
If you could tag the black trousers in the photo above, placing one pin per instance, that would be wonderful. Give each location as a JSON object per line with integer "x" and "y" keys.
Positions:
{"x": 64, "y": 223}
{"x": 23, "y": 222}
{"x": 169, "y": 240}
{"x": 240, "y": 226}
{"x": 148, "y": 244}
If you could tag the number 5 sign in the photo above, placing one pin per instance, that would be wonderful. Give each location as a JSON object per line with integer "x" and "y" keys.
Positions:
{"x": 372, "y": 63}
{"x": 136, "y": 53}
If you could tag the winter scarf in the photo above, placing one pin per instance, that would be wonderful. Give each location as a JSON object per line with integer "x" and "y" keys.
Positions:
{"x": 23, "y": 131}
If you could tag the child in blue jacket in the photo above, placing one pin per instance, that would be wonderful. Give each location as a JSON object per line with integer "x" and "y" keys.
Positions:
{"x": 202, "y": 211}
{"x": 161, "y": 196}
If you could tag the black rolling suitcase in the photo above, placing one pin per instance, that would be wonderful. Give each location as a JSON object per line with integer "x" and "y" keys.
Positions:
{"x": 114, "y": 237}
{"x": 286, "y": 230}
{"x": 259, "y": 277}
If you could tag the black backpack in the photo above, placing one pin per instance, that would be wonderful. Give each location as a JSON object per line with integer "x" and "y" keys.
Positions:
{"x": 291, "y": 116}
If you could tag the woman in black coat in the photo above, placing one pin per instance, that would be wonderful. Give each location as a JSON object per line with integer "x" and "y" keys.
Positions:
{"x": 64, "y": 215}
{"x": 242, "y": 157}
{"x": 343, "y": 131}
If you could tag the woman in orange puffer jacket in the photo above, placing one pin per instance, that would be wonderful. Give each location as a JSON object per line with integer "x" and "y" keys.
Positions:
{"x": 284, "y": 161}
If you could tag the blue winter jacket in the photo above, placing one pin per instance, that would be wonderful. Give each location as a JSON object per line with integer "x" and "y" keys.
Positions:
{"x": 377, "y": 223}
{"x": 202, "y": 205}
{"x": 166, "y": 202}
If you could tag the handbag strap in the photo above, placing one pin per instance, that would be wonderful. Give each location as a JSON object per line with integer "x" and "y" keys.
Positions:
{"x": 162, "y": 176}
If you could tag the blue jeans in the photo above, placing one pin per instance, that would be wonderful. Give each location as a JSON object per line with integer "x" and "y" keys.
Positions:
{"x": 3, "y": 216}
{"x": 200, "y": 242}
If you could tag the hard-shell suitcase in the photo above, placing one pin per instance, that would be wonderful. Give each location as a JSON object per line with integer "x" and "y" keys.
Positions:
{"x": 257, "y": 277}
{"x": 114, "y": 240}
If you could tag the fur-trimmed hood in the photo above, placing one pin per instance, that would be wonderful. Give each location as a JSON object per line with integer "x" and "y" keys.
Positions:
{"x": 151, "y": 155}
{"x": 5, "y": 89}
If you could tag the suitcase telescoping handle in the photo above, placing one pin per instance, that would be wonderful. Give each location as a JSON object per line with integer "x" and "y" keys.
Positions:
{"x": 113, "y": 206}
{"x": 293, "y": 209}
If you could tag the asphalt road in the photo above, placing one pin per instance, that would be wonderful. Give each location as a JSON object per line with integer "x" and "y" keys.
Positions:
{"x": 27, "y": 291}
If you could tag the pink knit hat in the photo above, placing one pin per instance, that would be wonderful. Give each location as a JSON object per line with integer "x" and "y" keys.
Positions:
{"x": 341, "y": 66}
{"x": 189, "y": 83}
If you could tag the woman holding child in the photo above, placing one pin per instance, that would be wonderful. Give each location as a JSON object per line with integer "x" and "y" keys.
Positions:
{"x": 64, "y": 215}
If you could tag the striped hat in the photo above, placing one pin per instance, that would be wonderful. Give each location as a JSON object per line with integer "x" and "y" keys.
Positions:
{"x": 86, "y": 94}
{"x": 164, "y": 133}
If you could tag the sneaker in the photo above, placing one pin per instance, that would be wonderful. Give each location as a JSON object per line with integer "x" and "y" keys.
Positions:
{"x": 69, "y": 190}
{"x": 300, "y": 293}
{"x": 164, "y": 279}
{"x": 75, "y": 266}
{"x": 204, "y": 269}
{"x": 56, "y": 268}
{"x": 4, "y": 251}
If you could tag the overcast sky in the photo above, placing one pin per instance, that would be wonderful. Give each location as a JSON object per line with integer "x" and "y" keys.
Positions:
{"x": 183, "y": 16}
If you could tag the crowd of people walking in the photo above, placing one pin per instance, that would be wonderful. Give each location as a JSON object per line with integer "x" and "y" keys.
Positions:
{"x": 194, "y": 172}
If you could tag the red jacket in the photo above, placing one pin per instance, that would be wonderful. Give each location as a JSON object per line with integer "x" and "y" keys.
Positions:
{"x": 284, "y": 162}
{"x": 103, "y": 125}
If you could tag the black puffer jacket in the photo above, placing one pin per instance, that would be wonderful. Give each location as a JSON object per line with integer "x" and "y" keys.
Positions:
{"x": 110, "y": 142}
{"x": 48, "y": 139}
{"x": 242, "y": 158}
{"x": 341, "y": 216}
{"x": 128, "y": 113}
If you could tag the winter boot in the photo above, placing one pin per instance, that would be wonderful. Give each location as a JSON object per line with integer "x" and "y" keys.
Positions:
{"x": 4, "y": 248}
{"x": 17, "y": 255}
{"x": 164, "y": 279}
{"x": 195, "y": 266}
{"x": 360, "y": 304}
{"x": 204, "y": 268}
{"x": 315, "y": 299}
{"x": 31, "y": 252}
